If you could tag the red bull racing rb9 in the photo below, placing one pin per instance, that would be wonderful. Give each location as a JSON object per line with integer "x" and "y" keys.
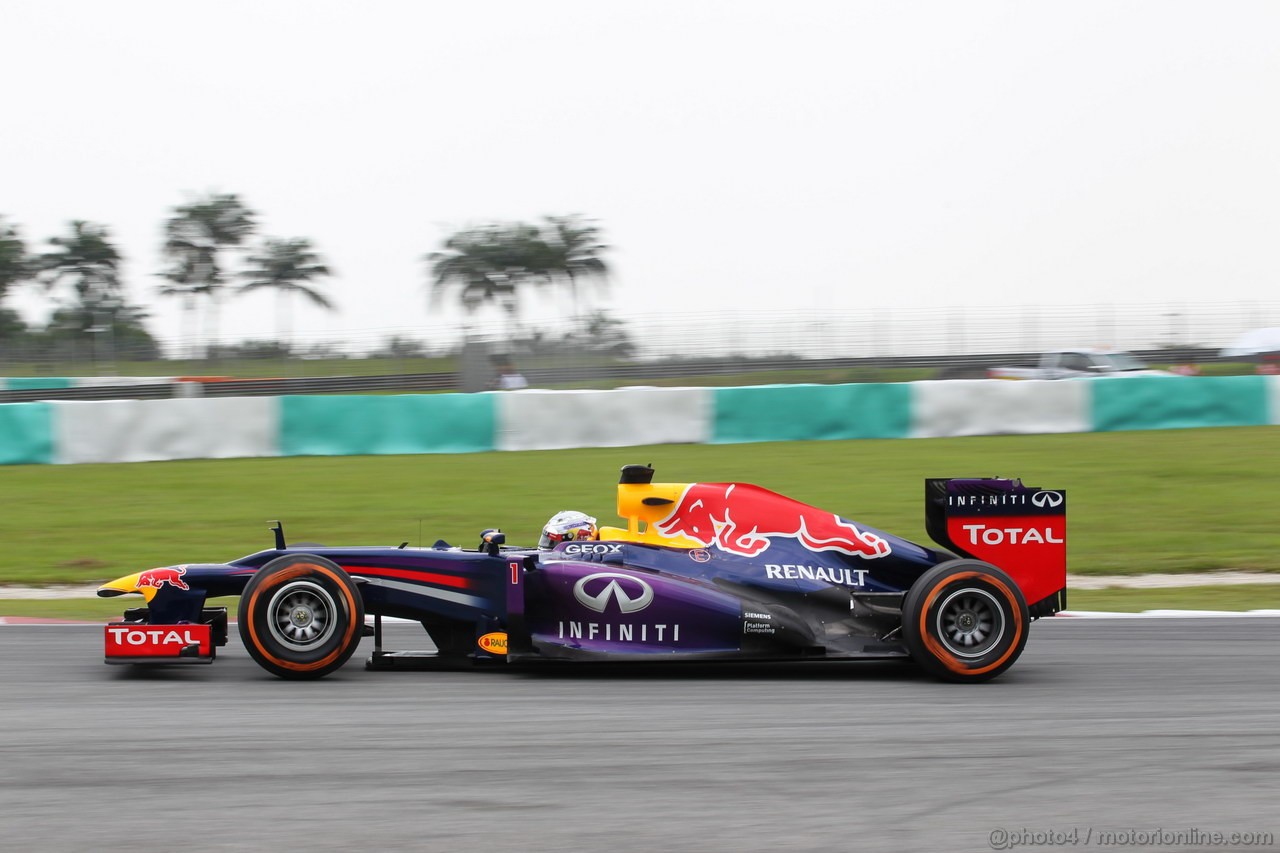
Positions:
{"x": 699, "y": 572}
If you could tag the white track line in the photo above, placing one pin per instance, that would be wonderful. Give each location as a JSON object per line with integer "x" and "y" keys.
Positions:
{"x": 1165, "y": 614}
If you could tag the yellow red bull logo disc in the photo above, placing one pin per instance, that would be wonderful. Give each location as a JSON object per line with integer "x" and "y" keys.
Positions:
{"x": 494, "y": 643}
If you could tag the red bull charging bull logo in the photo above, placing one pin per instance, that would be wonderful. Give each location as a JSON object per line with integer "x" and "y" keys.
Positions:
{"x": 157, "y": 578}
{"x": 741, "y": 519}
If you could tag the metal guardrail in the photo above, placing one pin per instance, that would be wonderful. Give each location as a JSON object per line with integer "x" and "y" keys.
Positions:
{"x": 105, "y": 392}
{"x": 949, "y": 366}
{"x": 332, "y": 385}
{"x": 964, "y": 366}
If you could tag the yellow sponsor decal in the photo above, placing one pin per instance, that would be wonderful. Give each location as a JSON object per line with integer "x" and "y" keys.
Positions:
{"x": 494, "y": 643}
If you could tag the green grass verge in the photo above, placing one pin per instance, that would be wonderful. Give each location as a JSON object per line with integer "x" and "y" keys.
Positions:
{"x": 1237, "y": 598}
{"x": 1169, "y": 501}
{"x": 240, "y": 368}
{"x": 82, "y": 609}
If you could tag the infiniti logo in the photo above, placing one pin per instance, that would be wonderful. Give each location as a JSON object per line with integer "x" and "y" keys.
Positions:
{"x": 1047, "y": 499}
{"x": 631, "y": 593}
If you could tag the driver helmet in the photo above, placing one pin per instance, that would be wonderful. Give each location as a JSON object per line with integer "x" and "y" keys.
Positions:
{"x": 568, "y": 526}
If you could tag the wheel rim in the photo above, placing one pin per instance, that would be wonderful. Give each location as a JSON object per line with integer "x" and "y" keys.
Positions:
{"x": 970, "y": 622}
{"x": 302, "y": 615}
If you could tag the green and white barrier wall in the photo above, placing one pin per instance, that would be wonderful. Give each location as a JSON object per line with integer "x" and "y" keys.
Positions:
{"x": 26, "y": 433}
{"x": 345, "y": 425}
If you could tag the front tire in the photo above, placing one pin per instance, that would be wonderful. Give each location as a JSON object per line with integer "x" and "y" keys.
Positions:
{"x": 301, "y": 616}
{"x": 965, "y": 620}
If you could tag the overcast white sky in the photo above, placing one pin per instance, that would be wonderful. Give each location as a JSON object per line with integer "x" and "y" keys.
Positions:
{"x": 764, "y": 155}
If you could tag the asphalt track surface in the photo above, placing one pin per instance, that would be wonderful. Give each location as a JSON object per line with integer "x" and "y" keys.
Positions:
{"x": 1111, "y": 725}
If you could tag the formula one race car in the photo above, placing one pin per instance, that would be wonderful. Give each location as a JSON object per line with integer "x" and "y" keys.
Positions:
{"x": 702, "y": 571}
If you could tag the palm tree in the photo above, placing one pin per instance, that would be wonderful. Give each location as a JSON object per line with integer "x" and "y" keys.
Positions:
{"x": 488, "y": 263}
{"x": 575, "y": 250}
{"x": 15, "y": 265}
{"x": 87, "y": 261}
{"x": 187, "y": 277}
{"x": 493, "y": 263}
{"x": 195, "y": 238}
{"x": 286, "y": 266}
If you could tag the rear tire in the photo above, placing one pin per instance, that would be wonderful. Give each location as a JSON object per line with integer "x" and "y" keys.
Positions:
{"x": 301, "y": 616}
{"x": 965, "y": 620}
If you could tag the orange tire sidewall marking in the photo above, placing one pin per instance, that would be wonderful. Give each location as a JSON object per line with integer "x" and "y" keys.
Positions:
{"x": 288, "y": 574}
{"x": 945, "y": 657}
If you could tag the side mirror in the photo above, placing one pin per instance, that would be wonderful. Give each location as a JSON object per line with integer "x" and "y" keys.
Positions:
{"x": 492, "y": 540}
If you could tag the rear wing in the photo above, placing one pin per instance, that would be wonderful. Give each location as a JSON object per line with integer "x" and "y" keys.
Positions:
{"x": 1019, "y": 529}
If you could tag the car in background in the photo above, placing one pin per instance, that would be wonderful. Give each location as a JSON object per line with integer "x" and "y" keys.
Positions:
{"x": 1079, "y": 364}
